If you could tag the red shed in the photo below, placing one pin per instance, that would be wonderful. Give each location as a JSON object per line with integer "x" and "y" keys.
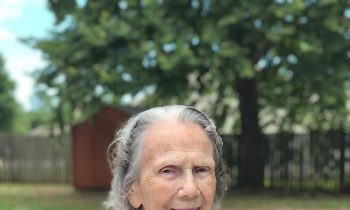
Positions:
{"x": 90, "y": 142}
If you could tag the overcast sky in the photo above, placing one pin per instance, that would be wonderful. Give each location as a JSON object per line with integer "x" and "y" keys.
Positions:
{"x": 18, "y": 19}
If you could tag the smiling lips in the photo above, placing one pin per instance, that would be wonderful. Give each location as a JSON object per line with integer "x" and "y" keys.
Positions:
{"x": 187, "y": 209}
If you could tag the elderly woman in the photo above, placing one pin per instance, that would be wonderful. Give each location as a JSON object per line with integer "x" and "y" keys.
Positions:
{"x": 167, "y": 158}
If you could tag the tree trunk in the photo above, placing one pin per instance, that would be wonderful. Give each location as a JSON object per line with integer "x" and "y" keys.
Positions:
{"x": 251, "y": 140}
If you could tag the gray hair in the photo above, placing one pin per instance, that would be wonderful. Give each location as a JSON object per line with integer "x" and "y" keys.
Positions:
{"x": 124, "y": 153}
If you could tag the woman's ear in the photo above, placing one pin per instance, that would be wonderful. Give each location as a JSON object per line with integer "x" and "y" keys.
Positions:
{"x": 134, "y": 196}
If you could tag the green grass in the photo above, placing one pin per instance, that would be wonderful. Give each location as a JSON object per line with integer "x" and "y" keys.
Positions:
{"x": 48, "y": 197}
{"x": 64, "y": 197}
{"x": 275, "y": 201}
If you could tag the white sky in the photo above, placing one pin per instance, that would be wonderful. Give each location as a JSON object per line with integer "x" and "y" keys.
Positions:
{"x": 23, "y": 19}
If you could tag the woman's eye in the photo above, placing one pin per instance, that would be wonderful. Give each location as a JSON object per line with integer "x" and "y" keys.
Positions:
{"x": 168, "y": 171}
{"x": 201, "y": 170}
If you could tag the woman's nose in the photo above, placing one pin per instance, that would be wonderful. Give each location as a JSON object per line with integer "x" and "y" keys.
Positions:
{"x": 188, "y": 188}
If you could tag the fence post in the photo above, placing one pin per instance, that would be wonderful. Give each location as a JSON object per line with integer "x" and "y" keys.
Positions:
{"x": 342, "y": 137}
{"x": 302, "y": 140}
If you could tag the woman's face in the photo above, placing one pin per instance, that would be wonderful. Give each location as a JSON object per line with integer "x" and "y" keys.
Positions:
{"x": 177, "y": 169}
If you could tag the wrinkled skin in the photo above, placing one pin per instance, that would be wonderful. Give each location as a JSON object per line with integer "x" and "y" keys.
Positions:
{"x": 177, "y": 169}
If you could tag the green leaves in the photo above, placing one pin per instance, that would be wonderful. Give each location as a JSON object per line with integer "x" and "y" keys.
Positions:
{"x": 229, "y": 49}
{"x": 62, "y": 8}
{"x": 8, "y": 105}
{"x": 188, "y": 50}
{"x": 245, "y": 68}
{"x": 231, "y": 19}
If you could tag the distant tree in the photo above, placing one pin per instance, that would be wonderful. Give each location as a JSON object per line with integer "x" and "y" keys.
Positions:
{"x": 8, "y": 105}
{"x": 43, "y": 114}
{"x": 285, "y": 62}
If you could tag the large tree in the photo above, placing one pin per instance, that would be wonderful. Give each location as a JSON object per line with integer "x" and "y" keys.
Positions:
{"x": 285, "y": 62}
{"x": 8, "y": 105}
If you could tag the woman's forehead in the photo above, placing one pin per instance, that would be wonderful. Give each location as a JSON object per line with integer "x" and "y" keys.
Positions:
{"x": 175, "y": 135}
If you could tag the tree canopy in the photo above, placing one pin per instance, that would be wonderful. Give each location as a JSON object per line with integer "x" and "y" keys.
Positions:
{"x": 255, "y": 63}
{"x": 8, "y": 105}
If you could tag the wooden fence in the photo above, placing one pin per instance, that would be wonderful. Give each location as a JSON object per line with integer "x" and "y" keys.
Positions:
{"x": 300, "y": 161}
{"x": 34, "y": 159}
{"x": 294, "y": 161}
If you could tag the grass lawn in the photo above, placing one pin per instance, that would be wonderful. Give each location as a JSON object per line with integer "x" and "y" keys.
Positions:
{"x": 64, "y": 197}
{"x": 48, "y": 197}
{"x": 286, "y": 202}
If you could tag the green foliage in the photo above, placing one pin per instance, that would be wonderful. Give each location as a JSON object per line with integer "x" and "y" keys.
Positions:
{"x": 193, "y": 52}
{"x": 22, "y": 121}
{"x": 8, "y": 105}
{"x": 13, "y": 119}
